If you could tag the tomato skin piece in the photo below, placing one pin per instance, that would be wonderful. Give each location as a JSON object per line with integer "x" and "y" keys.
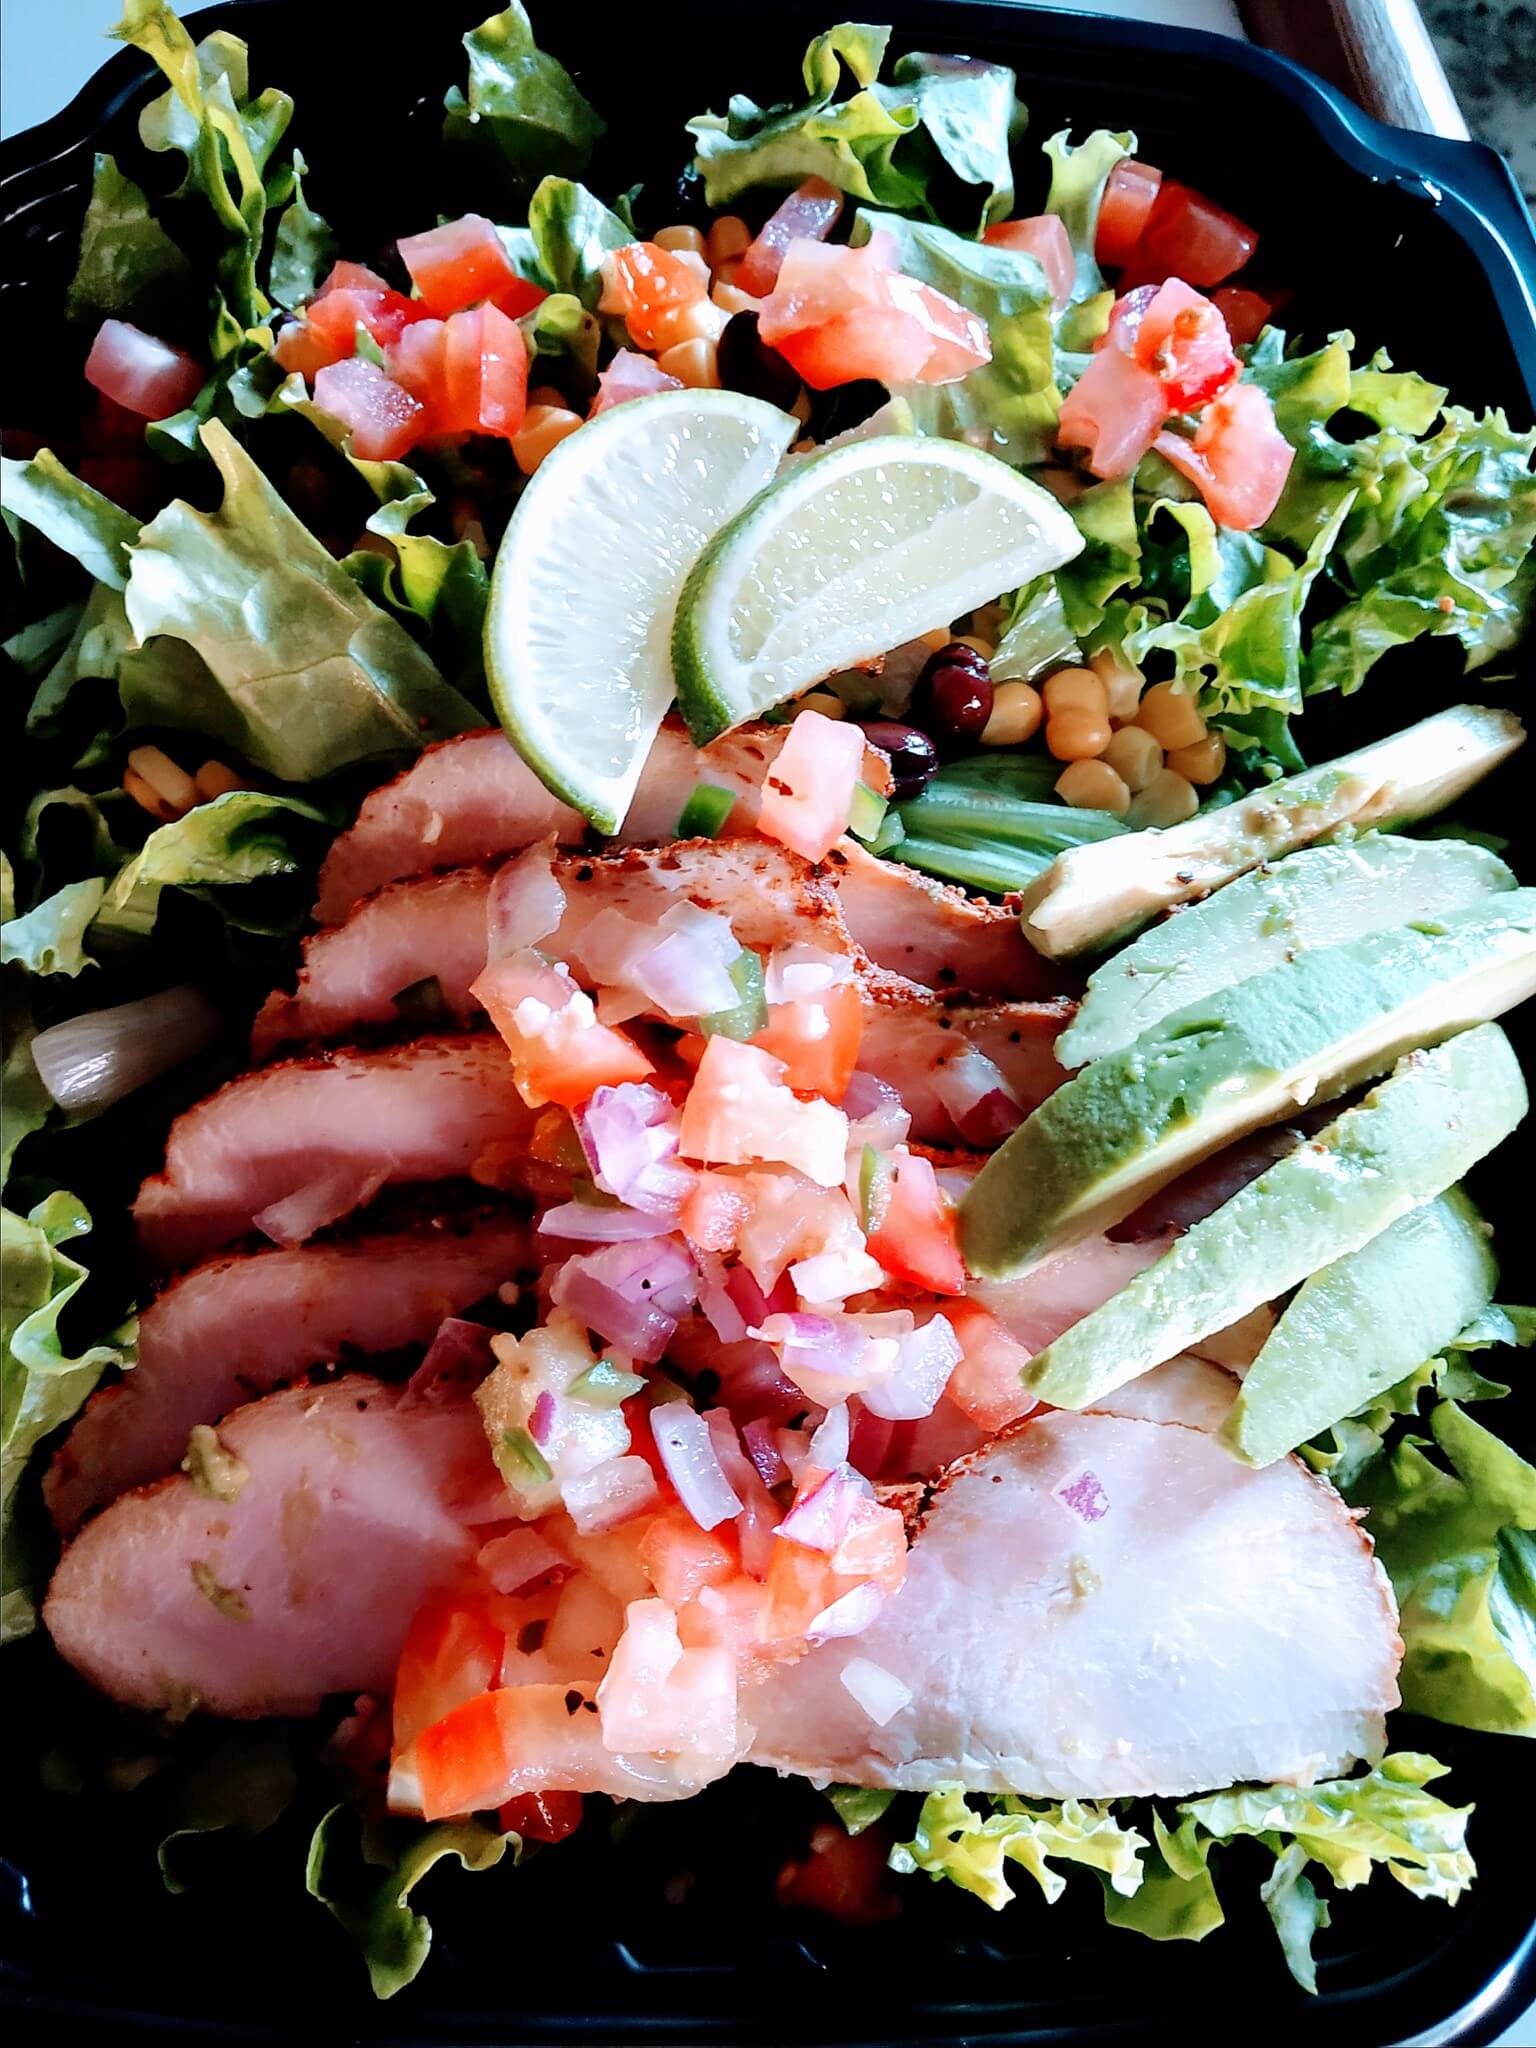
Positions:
{"x": 817, "y": 1039}
{"x": 1114, "y": 410}
{"x": 385, "y": 420}
{"x": 1247, "y": 313}
{"x": 630, "y": 375}
{"x": 541, "y": 1816}
{"x": 810, "y": 213}
{"x": 1182, "y": 339}
{"x": 915, "y": 1237}
{"x": 1043, "y": 236}
{"x": 463, "y": 262}
{"x": 1189, "y": 236}
{"x": 452, "y": 1651}
{"x": 1239, "y": 458}
{"x": 1129, "y": 192}
{"x": 351, "y": 277}
{"x": 140, "y": 372}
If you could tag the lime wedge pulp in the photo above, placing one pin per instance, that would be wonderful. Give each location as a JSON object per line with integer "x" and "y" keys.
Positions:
{"x": 848, "y": 555}
{"x": 586, "y": 582}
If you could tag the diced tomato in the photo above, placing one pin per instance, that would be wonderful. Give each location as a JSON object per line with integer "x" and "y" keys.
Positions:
{"x": 140, "y": 372}
{"x": 809, "y": 214}
{"x": 1239, "y": 458}
{"x": 1187, "y": 235}
{"x": 912, "y": 1229}
{"x": 415, "y": 361}
{"x": 1246, "y": 313}
{"x": 560, "y": 1053}
{"x": 842, "y": 1875}
{"x": 507, "y": 1742}
{"x": 880, "y": 343}
{"x": 461, "y": 1761}
{"x": 463, "y": 262}
{"x": 327, "y": 333}
{"x": 352, "y": 277}
{"x": 818, "y": 1040}
{"x": 723, "y": 1616}
{"x": 650, "y": 287}
{"x": 839, "y": 314}
{"x": 657, "y": 1695}
{"x": 385, "y": 420}
{"x": 541, "y": 1816}
{"x": 740, "y": 1110}
{"x": 1043, "y": 236}
{"x": 809, "y": 788}
{"x": 453, "y": 1651}
{"x": 630, "y": 375}
{"x": 1182, "y": 339}
{"x": 1128, "y": 195}
{"x": 957, "y": 338}
{"x": 1114, "y": 410}
{"x": 485, "y": 371}
{"x": 714, "y": 1210}
{"x": 986, "y": 1384}
{"x": 682, "y": 1558}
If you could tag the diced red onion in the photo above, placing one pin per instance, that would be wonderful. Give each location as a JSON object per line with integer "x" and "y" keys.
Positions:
{"x": 966, "y": 1081}
{"x": 870, "y": 1440}
{"x": 867, "y": 1093}
{"x": 298, "y": 1216}
{"x": 759, "y": 1511}
{"x": 613, "y": 1492}
{"x": 829, "y": 1444}
{"x": 459, "y": 1357}
{"x": 848, "y": 1616}
{"x": 686, "y": 1450}
{"x": 795, "y": 1450}
{"x": 609, "y": 943}
{"x": 819, "y": 1519}
{"x": 629, "y": 1136}
{"x": 542, "y": 1420}
{"x": 683, "y": 975}
{"x": 798, "y": 973}
{"x": 596, "y": 1223}
{"x": 752, "y": 1384}
{"x": 513, "y": 1561}
{"x": 833, "y": 1276}
{"x": 525, "y": 903}
{"x": 995, "y": 1117}
{"x": 924, "y": 1362}
{"x": 762, "y": 1446}
{"x": 750, "y": 1300}
{"x": 640, "y": 1328}
{"x": 879, "y": 1692}
{"x": 92, "y": 1061}
{"x": 724, "y": 1317}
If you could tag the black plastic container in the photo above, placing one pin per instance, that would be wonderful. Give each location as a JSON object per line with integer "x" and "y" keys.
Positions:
{"x": 671, "y": 1935}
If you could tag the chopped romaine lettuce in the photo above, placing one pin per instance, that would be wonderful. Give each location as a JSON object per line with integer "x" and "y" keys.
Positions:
{"x": 76, "y": 518}
{"x": 128, "y": 268}
{"x": 572, "y": 232}
{"x": 50, "y": 938}
{"x": 521, "y": 113}
{"x": 1078, "y": 178}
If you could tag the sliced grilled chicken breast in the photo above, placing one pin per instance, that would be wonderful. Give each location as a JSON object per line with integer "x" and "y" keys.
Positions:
{"x": 911, "y": 1036}
{"x": 1098, "y": 1606}
{"x": 237, "y": 1327}
{"x": 350, "y": 1505}
{"x": 333, "y": 1130}
{"x": 933, "y": 933}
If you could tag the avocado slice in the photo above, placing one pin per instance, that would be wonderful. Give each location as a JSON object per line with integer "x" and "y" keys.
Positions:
{"x": 1322, "y": 896}
{"x": 1247, "y": 1055}
{"x": 1411, "y": 1137}
{"x": 1362, "y": 1324}
{"x": 1093, "y": 895}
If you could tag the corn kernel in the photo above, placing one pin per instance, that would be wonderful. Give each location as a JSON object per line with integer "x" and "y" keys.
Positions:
{"x": 692, "y": 363}
{"x": 701, "y": 320}
{"x": 692, "y": 260}
{"x": 1122, "y": 682}
{"x": 728, "y": 273}
{"x": 1201, "y": 763}
{"x": 148, "y": 799}
{"x": 1093, "y": 786}
{"x": 217, "y": 778}
{"x": 1076, "y": 735}
{"x": 1135, "y": 756}
{"x": 173, "y": 785}
{"x": 680, "y": 239}
{"x": 729, "y": 239}
{"x": 730, "y": 301}
{"x": 824, "y": 701}
{"x": 939, "y": 637}
{"x": 1168, "y": 799}
{"x": 543, "y": 428}
{"x": 1170, "y": 716}
{"x": 1016, "y": 715}
{"x": 1076, "y": 689}
{"x": 985, "y": 648}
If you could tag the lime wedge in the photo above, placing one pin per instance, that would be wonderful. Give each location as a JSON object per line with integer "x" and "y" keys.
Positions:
{"x": 848, "y": 555}
{"x": 587, "y": 580}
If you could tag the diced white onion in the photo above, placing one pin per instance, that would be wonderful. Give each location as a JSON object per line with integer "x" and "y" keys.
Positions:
{"x": 829, "y": 1445}
{"x": 686, "y": 1450}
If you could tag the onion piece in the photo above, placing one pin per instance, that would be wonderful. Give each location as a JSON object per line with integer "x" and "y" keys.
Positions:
{"x": 687, "y": 1451}
{"x": 977, "y": 1097}
{"x": 829, "y": 1443}
{"x": 760, "y": 1514}
{"x": 800, "y": 973}
{"x": 458, "y": 1358}
{"x": 596, "y": 1223}
{"x": 629, "y": 1135}
{"x": 761, "y": 1440}
{"x": 848, "y": 1616}
{"x": 96, "y": 1059}
{"x": 296, "y": 1217}
{"x": 525, "y": 903}
{"x": 879, "y": 1692}
{"x": 513, "y": 1561}
{"x": 833, "y": 1276}
{"x": 924, "y": 1362}
{"x": 613, "y": 1492}
{"x": 819, "y": 1518}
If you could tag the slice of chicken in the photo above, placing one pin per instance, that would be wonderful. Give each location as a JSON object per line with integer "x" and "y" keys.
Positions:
{"x": 353, "y": 1506}
{"x": 474, "y": 798}
{"x": 1100, "y": 1607}
{"x": 239, "y": 1326}
{"x": 351, "y": 1121}
{"x": 434, "y": 927}
{"x": 911, "y": 1035}
{"x": 934, "y": 934}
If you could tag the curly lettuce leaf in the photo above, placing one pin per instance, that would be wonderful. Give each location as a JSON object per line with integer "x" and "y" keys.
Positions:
{"x": 521, "y": 114}
{"x": 303, "y": 248}
{"x": 953, "y": 1840}
{"x": 1453, "y": 1515}
{"x": 43, "y": 1383}
{"x": 572, "y": 232}
{"x": 300, "y": 671}
{"x": 50, "y": 938}
{"x": 1078, "y": 177}
{"x": 364, "y": 1873}
{"x": 933, "y": 141}
{"x": 858, "y": 1806}
{"x": 128, "y": 267}
{"x": 244, "y": 836}
{"x": 1176, "y": 1899}
{"x": 1110, "y": 561}
{"x": 42, "y": 493}
{"x": 1291, "y": 1901}
{"x": 1008, "y": 406}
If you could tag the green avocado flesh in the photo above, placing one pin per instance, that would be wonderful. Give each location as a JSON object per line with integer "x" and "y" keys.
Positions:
{"x": 1093, "y": 895}
{"x": 1249, "y": 1054}
{"x": 1322, "y": 896}
{"x": 1362, "y": 1324}
{"x": 1410, "y": 1138}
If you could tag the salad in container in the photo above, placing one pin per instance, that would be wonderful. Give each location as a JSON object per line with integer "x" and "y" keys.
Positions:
{"x": 702, "y": 1074}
